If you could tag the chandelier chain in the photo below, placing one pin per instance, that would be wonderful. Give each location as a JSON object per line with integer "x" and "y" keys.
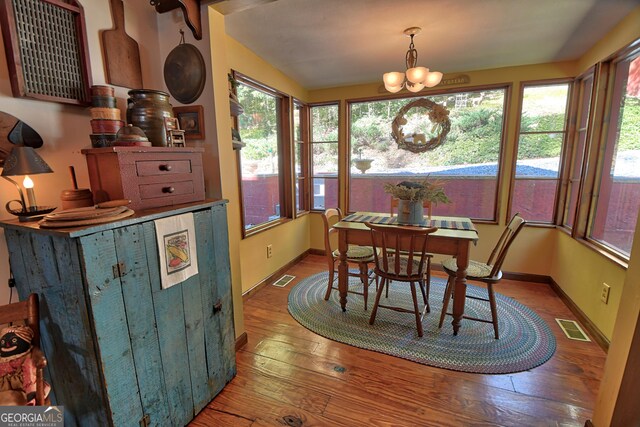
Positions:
{"x": 411, "y": 58}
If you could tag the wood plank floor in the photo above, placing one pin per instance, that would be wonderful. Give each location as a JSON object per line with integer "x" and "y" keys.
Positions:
{"x": 288, "y": 375}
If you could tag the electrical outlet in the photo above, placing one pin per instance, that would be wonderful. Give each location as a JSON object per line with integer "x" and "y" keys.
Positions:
{"x": 269, "y": 251}
{"x": 604, "y": 293}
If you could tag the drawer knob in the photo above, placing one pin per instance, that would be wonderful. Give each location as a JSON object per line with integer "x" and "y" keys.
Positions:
{"x": 168, "y": 189}
{"x": 166, "y": 167}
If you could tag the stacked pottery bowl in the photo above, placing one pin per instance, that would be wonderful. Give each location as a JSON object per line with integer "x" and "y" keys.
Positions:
{"x": 105, "y": 117}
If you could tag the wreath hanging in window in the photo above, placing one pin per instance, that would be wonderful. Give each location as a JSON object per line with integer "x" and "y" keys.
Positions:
{"x": 418, "y": 142}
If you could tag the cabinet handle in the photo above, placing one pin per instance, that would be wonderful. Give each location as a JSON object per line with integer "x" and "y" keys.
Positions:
{"x": 166, "y": 167}
{"x": 217, "y": 307}
{"x": 168, "y": 189}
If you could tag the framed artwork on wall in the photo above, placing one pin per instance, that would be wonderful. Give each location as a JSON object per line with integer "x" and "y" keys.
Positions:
{"x": 191, "y": 119}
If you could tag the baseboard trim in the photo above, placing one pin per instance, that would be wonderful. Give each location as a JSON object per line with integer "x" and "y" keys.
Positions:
{"x": 273, "y": 277}
{"x": 527, "y": 277}
{"x": 593, "y": 330}
{"x": 241, "y": 341}
{"x": 314, "y": 251}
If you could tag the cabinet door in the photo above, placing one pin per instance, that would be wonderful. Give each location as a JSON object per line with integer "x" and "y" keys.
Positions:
{"x": 132, "y": 253}
{"x": 52, "y": 267}
{"x": 107, "y": 305}
{"x": 224, "y": 335}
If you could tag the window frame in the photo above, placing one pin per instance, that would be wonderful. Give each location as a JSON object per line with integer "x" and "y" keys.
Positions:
{"x": 312, "y": 175}
{"x": 500, "y": 181}
{"x": 576, "y": 111}
{"x": 605, "y": 79}
{"x": 285, "y": 162}
{"x": 563, "y": 149}
{"x": 304, "y": 180}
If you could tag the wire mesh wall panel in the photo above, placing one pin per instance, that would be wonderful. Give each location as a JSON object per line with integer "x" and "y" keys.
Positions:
{"x": 46, "y": 50}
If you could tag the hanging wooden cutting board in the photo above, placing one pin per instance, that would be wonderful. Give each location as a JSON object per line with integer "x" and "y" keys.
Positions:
{"x": 121, "y": 53}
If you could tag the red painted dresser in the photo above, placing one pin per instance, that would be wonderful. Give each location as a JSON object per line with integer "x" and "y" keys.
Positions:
{"x": 150, "y": 177}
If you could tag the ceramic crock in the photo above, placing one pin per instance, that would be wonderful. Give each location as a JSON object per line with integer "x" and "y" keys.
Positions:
{"x": 147, "y": 109}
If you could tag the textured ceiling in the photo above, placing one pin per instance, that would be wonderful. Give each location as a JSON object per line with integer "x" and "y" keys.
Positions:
{"x": 326, "y": 43}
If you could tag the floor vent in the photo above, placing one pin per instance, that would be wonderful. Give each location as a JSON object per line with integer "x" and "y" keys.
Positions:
{"x": 572, "y": 330}
{"x": 284, "y": 280}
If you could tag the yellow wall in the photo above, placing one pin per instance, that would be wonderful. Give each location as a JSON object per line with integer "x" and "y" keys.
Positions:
{"x": 229, "y": 188}
{"x": 579, "y": 270}
{"x": 616, "y": 366}
{"x": 288, "y": 240}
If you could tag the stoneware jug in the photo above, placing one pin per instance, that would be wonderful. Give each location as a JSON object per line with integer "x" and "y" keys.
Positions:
{"x": 147, "y": 109}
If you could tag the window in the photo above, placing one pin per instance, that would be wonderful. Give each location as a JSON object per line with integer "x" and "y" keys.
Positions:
{"x": 264, "y": 178}
{"x": 324, "y": 155}
{"x": 541, "y": 136}
{"x": 467, "y": 163}
{"x": 584, "y": 87}
{"x": 301, "y": 168}
{"x": 617, "y": 190}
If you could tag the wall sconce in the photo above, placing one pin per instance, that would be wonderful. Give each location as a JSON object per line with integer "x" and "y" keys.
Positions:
{"x": 25, "y": 161}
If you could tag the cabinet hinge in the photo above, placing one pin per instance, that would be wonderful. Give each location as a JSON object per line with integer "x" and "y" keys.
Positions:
{"x": 119, "y": 270}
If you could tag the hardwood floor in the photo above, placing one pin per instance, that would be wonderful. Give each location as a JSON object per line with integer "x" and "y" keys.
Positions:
{"x": 286, "y": 370}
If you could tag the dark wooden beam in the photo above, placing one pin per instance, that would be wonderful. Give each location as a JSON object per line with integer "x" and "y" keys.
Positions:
{"x": 190, "y": 11}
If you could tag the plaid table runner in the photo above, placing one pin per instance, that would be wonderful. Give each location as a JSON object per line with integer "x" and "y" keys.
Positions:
{"x": 385, "y": 219}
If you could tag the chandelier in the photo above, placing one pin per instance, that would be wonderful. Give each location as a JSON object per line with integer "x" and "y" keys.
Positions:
{"x": 415, "y": 78}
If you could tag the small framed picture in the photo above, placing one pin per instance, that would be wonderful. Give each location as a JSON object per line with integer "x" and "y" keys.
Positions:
{"x": 191, "y": 119}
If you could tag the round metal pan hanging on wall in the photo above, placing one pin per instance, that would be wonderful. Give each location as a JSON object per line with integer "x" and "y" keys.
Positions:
{"x": 185, "y": 72}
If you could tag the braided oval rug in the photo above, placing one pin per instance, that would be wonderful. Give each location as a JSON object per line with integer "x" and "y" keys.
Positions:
{"x": 525, "y": 339}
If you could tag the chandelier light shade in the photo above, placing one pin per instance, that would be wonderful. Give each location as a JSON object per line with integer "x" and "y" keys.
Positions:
{"x": 414, "y": 78}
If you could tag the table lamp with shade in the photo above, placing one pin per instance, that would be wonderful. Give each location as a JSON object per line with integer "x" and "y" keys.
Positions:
{"x": 25, "y": 161}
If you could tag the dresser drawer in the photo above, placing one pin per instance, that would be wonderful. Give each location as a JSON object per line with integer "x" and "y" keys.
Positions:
{"x": 150, "y": 191}
{"x": 162, "y": 167}
{"x": 150, "y": 177}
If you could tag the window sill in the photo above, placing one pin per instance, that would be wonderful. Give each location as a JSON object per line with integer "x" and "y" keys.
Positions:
{"x": 264, "y": 227}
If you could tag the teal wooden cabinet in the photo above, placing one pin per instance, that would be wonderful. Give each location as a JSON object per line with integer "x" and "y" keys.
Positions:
{"x": 123, "y": 351}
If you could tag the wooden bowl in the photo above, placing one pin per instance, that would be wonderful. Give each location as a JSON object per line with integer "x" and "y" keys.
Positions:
{"x": 99, "y": 140}
{"x": 100, "y": 90}
{"x": 105, "y": 113}
{"x": 106, "y": 126}
{"x": 76, "y": 198}
{"x": 103, "y": 101}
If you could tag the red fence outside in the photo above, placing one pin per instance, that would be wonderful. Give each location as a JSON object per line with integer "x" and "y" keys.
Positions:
{"x": 471, "y": 196}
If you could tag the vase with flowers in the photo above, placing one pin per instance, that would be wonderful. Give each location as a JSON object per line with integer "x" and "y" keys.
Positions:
{"x": 412, "y": 197}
